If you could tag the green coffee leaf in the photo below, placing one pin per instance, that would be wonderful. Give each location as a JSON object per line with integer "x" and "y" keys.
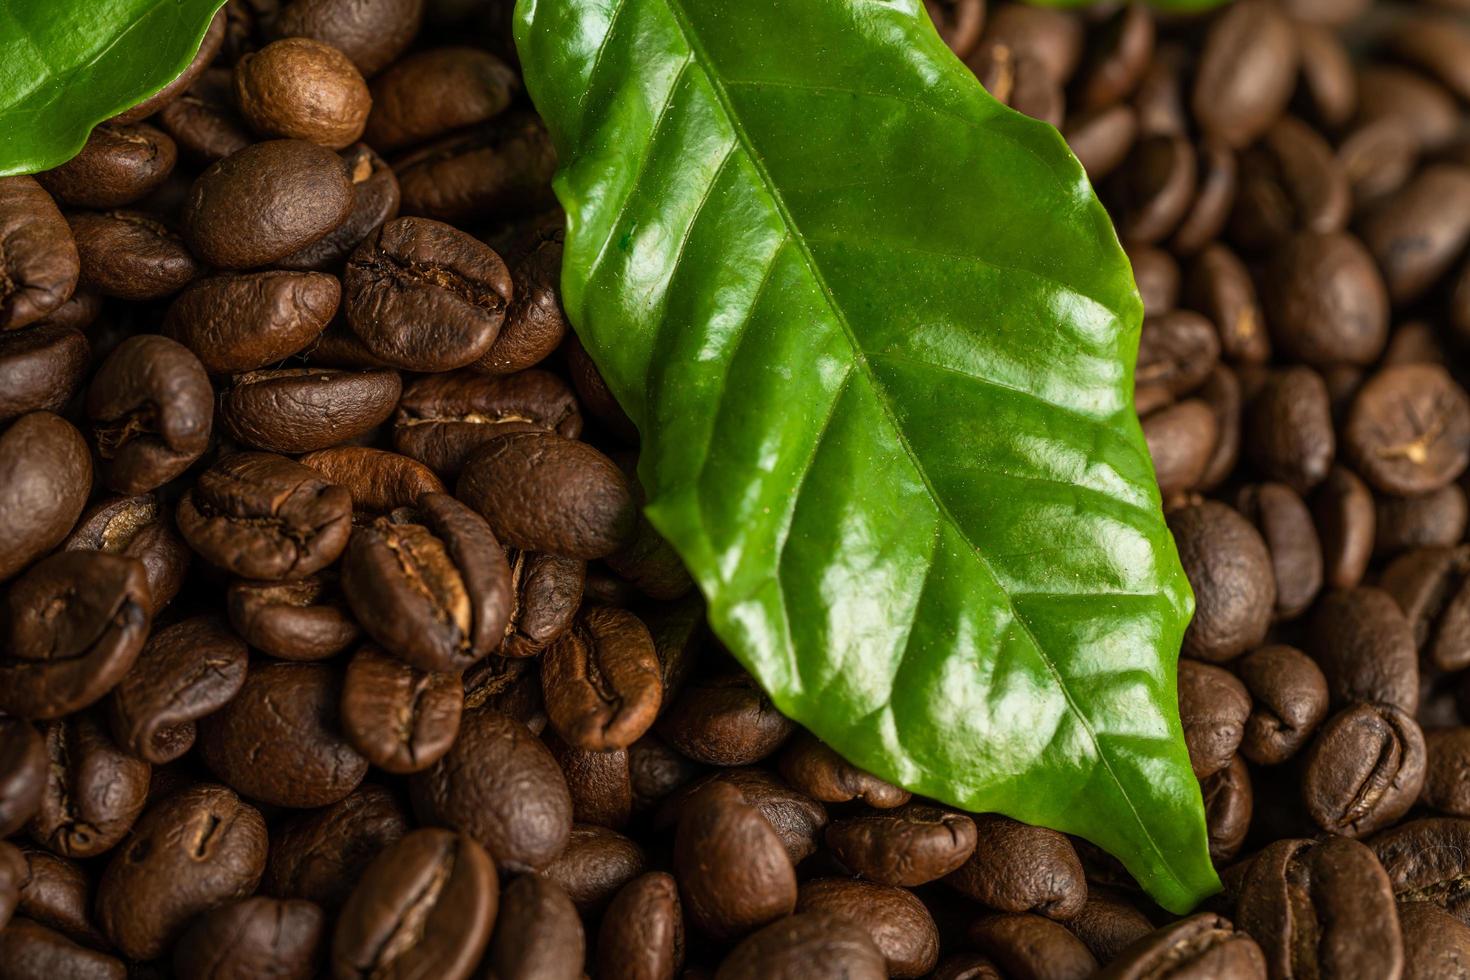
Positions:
{"x": 66, "y": 65}
{"x": 878, "y": 337}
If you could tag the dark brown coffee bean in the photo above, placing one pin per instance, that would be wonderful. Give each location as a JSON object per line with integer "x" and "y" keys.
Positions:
{"x": 400, "y": 718}
{"x": 911, "y": 846}
{"x": 94, "y": 790}
{"x": 594, "y": 865}
{"x": 502, "y": 169}
{"x": 1052, "y": 38}
{"x": 601, "y": 680}
{"x": 1446, "y": 786}
{"x": 1100, "y": 140}
{"x": 535, "y": 323}
{"x": 601, "y": 783}
{"x": 812, "y": 767}
{"x": 1213, "y": 708}
{"x": 1221, "y": 392}
{"x": 299, "y": 88}
{"x": 40, "y": 266}
{"x": 375, "y": 200}
{"x": 1418, "y": 231}
{"x": 1321, "y": 909}
{"x": 642, "y": 933}
{"x": 297, "y": 410}
{"x": 320, "y": 855}
{"x": 1229, "y": 803}
{"x": 1436, "y": 944}
{"x": 57, "y": 893}
{"x": 1286, "y": 526}
{"x": 1326, "y": 300}
{"x": 500, "y": 785}
{"x": 371, "y": 34}
{"x": 1246, "y": 72}
{"x": 185, "y": 672}
{"x": 41, "y": 368}
{"x": 1289, "y": 182}
{"x": 733, "y": 871}
{"x": 425, "y": 296}
{"x": 263, "y": 516}
{"x": 959, "y": 23}
{"x": 797, "y": 819}
{"x": 247, "y": 321}
{"x": 1216, "y": 187}
{"x": 279, "y": 739}
{"x": 1107, "y": 924}
{"x": 1431, "y": 586}
{"x": 1409, "y": 429}
{"x": 121, "y": 164}
{"x": 1181, "y": 440}
{"x": 45, "y": 474}
{"x": 443, "y": 418}
{"x": 23, "y": 764}
{"x": 1343, "y": 510}
{"x": 547, "y": 591}
{"x": 1289, "y": 432}
{"x": 430, "y": 584}
{"x": 380, "y": 482}
{"x": 1364, "y": 770}
{"x": 1365, "y": 647}
{"x": 424, "y": 908}
{"x": 1020, "y": 868}
{"x": 724, "y": 721}
{"x": 305, "y": 619}
{"x": 1429, "y": 112}
{"x": 1438, "y": 44}
{"x": 1157, "y": 274}
{"x": 140, "y": 528}
{"x": 131, "y": 255}
{"x": 1428, "y": 860}
{"x": 507, "y": 686}
{"x": 1019, "y": 80}
{"x": 30, "y": 951}
{"x": 897, "y": 922}
{"x": 255, "y": 937}
{"x": 1201, "y": 946}
{"x": 1220, "y": 287}
{"x": 1434, "y": 519}
{"x": 805, "y": 945}
{"x": 1176, "y": 352}
{"x": 1234, "y": 586}
{"x": 1118, "y": 54}
{"x": 192, "y": 851}
{"x": 265, "y": 202}
{"x": 1289, "y": 700}
{"x": 1327, "y": 76}
{"x": 152, "y": 410}
{"x": 1154, "y": 188}
{"x": 1029, "y": 947}
{"x": 203, "y": 121}
{"x": 538, "y": 934}
{"x": 75, "y": 624}
{"x": 434, "y": 92}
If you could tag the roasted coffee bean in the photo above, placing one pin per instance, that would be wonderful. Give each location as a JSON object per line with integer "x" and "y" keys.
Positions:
{"x": 797, "y": 819}
{"x": 75, "y": 624}
{"x": 131, "y": 255}
{"x": 1156, "y": 273}
{"x": 725, "y": 720}
{"x": 255, "y": 937}
{"x": 642, "y": 932}
{"x": 265, "y": 202}
{"x": 1290, "y": 181}
{"x": 1116, "y": 57}
{"x": 23, "y": 764}
{"x": 1407, "y": 97}
{"x": 121, "y": 164}
{"x": 299, "y": 88}
{"x": 41, "y": 368}
{"x": 243, "y": 322}
{"x": 1289, "y": 700}
{"x": 546, "y": 593}
{"x": 1343, "y": 510}
{"x": 305, "y": 619}
{"x": 442, "y": 419}
{"x": 1030, "y": 947}
{"x": 535, "y": 323}
{"x": 45, "y": 473}
{"x": 185, "y": 672}
{"x": 1154, "y": 188}
{"x": 279, "y": 739}
{"x": 434, "y": 92}
{"x": 1176, "y": 352}
{"x": 400, "y": 718}
{"x": 375, "y": 200}
{"x": 425, "y": 296}
{"x": 897, "y": 922}
{"x": 1213, "y": 708}
{"x": 140, "y": 528}
{"x": 500, "y": 785}
{"x": 152, "y": 410}
{"x": 812, "y": 767}
{"x": 263, "y": 516}
{"x": 1229, "y": 803}
{"x": 1215, "y": 183}
{"x": 1054, "y": 41}
{"x": 297, "y": 410}
{"x": 1019, "y": 868}
{"x": 1437, "y": 44}
{"x": 1327, "y": 76}
{"x": 1446, "y": 787}
{"x": 1409, "y": 429}
{"x": 192, "y": 851}
{"x": 592, "y": 391}
{"x": 1107, "y": 924}
{"x": 94, "y": 790}
{"x": 1286, "y": 526}
{"x": 430, "y": 584}
{"x": 1289, "y": 429}
{"x": 601, "y": 680}
{"x": 507, "y": 686}
{"x": 1432, "y": 587}
{"x": 57, "y": 893}
{"x": 1434, "y": 519}
{"x": 539, "y": 936}
{"x": 502, "y": 169}
{"x": 1364, "y": 769}
{"x": 805, "y": 945}
{"x": 1203, "y": 945}
{"x": 1221, "y": 288}
{"x": 203, "y": 121}
{"x": 959, "y": 22}
{"x": 371, "y": 34}
{"x": 30, "y": 951}
{"x": 1100, "y": 140}
{"x": 320, "y": 855}
{"x": 1418, "y": 231}
{"x": 733, "y": 871}
{"x": 40, "y": 266}
{"x": 424, "y": 908}
{"x": 1246, "y": 72}
{"x": 1230, "y": 570}
{"x": 1365, "y": 647}
{"x": 1436, "y": 944}
{"x": 1428, "y": 860}
{"x": 601, "y": 783}
{"x": 380, "y": 482}
{"x": 1181, "y": 439}
{"x": 1321, "y": 909}
{"x": 594, "y": 865}
{"x": 1325, "y": 299}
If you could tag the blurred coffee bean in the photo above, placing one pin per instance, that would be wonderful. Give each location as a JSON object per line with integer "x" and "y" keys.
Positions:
{"x": 253, "y": 937}
{"x": 1325, "y": 299}
{"x": 1409, "y": 429}
{"x": 1343, "y": 510}
{"x": 1431, "y": 586}
{"x": 1286, "y": 526}
{"x": 1246, "y": 72}
{"x": 538, "y": 933}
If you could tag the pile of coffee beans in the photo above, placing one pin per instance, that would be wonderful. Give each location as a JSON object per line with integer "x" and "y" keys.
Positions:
{"x": 333, "y": 641}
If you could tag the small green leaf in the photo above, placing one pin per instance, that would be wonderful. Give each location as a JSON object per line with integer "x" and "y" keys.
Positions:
{"x": 878, "y": 336}
{"x": 66, "y": 65}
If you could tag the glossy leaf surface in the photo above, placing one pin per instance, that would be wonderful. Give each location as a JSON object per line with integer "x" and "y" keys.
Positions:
{"x": 66, "y": 65}
{"x": 878, "y": 336}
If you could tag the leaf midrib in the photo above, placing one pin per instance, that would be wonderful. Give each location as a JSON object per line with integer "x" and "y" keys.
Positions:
{"x": 860, "y": 358}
